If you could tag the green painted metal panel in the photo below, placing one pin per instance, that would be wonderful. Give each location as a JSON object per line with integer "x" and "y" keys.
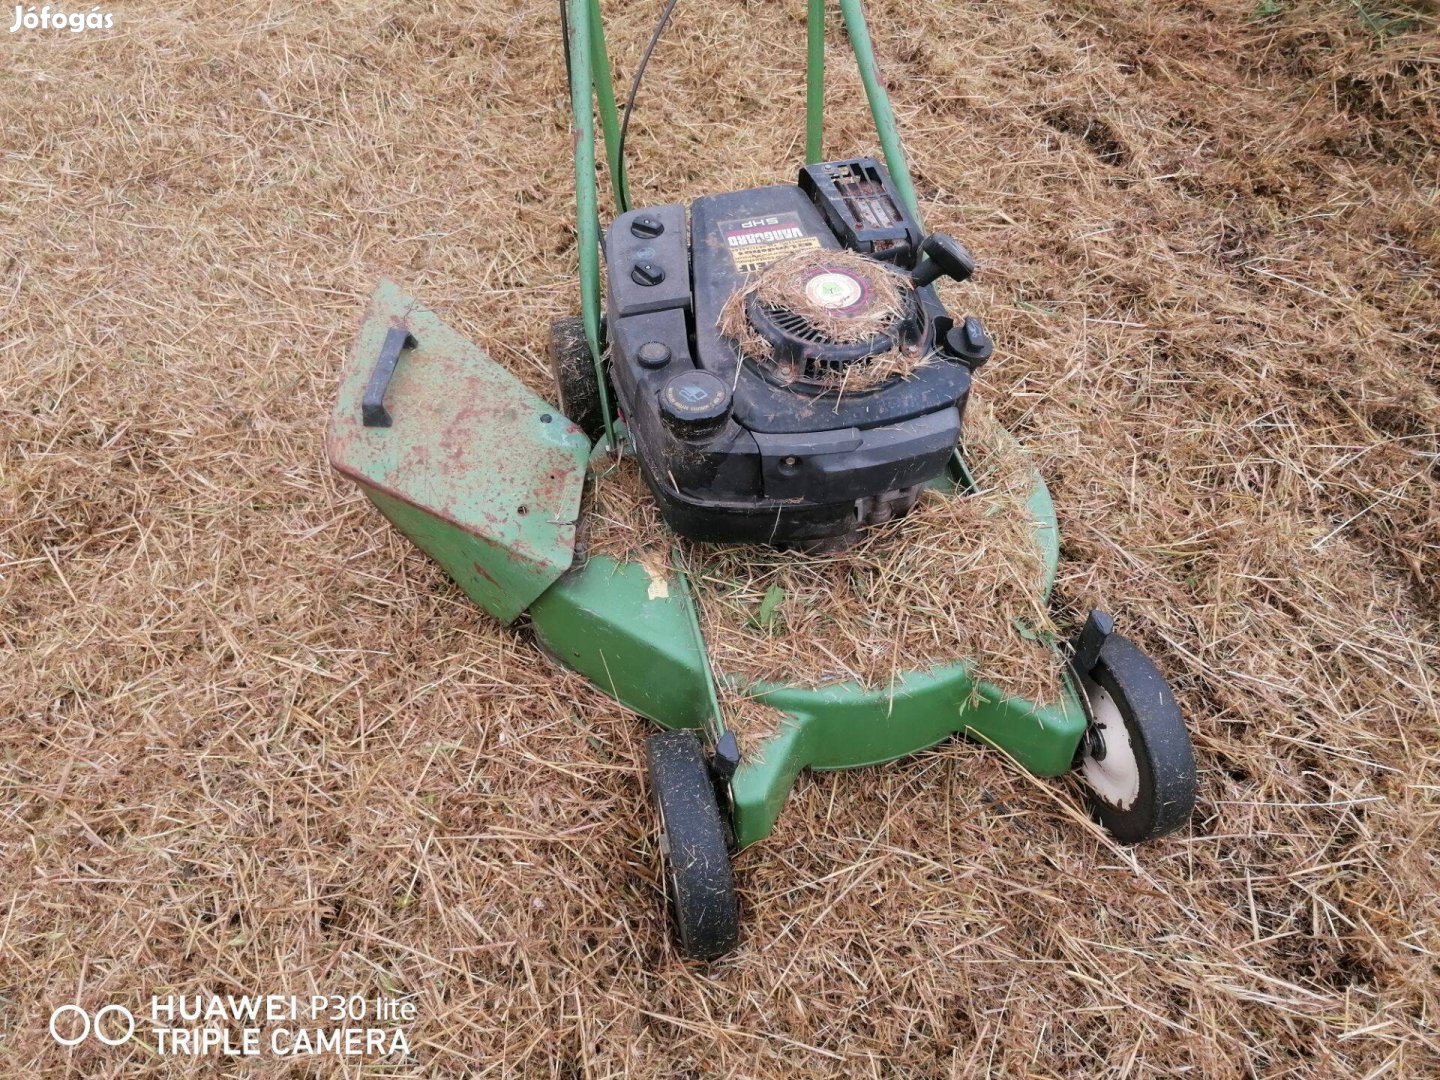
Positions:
{"x": 846, "y": 726}
{"x": 626, "y": 628}
{"x": 483, "y": 475}
{"x": 867, "y": 727}
{"x": 761, "y": 785}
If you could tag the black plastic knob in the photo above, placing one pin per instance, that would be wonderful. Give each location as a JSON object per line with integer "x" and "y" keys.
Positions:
{"x": 653, "y": 355}
{"x": 969, "y": 342}
{"x": 646, "y": 227}
{"x": 944, "y": 255}
{"x": 647, "y": 273}
{"x": 694, "y": 404}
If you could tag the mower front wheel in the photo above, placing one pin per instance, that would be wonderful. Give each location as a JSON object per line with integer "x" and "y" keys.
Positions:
{"x": 574, "y": 371}
{"x": 699, "y": 884}
{"x": 1136, "y": 756}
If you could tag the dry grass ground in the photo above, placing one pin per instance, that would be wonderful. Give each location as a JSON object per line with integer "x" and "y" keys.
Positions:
{"x": 254, "y": 743}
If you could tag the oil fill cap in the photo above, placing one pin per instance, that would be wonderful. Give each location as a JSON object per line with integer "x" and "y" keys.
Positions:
{"x": 694, "y": 403}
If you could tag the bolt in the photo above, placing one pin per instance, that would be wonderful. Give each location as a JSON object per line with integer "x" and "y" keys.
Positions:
{"x": 1095, "y": 742}
{"x": 647, "y": 273}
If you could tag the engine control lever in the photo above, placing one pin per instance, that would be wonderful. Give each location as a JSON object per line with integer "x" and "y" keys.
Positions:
{"x": 944, "y": 255}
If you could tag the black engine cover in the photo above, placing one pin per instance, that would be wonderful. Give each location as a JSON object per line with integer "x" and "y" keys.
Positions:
{"x": 739, "y": 457}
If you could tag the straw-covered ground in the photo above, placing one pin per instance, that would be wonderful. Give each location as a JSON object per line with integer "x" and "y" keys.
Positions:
{"x": 254, "y": 743}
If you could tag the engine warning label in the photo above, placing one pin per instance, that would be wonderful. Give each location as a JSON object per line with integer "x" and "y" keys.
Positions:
{"x": 755, "y": 243}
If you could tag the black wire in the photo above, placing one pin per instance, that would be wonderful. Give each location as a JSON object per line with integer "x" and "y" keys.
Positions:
{"x": 635, "y": 89}
{"x": 565, "y": 37}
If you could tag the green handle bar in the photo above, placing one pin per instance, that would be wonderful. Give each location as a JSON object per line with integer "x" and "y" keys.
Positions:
{"x": 591, "y": 91}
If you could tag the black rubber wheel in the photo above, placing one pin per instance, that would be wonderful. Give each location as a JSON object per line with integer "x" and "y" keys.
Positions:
{"x": 699, "y": 884}
{"x": 1143, "y": 786}
{"x": 574, "y": 371}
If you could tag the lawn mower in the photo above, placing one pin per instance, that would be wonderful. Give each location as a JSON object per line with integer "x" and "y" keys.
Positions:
{"x": 780, "y": 365}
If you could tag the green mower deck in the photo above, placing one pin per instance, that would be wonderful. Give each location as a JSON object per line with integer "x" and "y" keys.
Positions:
{"x": 487, "y": 481}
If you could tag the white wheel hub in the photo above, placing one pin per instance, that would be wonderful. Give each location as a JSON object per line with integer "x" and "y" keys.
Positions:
{"x": 1115, "y": 778}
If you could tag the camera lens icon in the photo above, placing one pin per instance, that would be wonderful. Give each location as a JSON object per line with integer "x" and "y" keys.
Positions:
{"x": 97, "y": 1025}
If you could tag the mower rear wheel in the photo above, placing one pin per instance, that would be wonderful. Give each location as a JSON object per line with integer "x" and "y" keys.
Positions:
{"x": 699, "y": 884}
{"x": 1137, "y": 759}
{"x": 574, "y": 371}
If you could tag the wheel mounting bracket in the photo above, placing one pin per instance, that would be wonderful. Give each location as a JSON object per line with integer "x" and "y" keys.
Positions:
{"x": 1086, "y": 645}
{"x": 1085, "y": 648}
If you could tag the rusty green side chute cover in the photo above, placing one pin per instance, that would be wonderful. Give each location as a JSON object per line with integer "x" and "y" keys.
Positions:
{"x": 481, "y": 474}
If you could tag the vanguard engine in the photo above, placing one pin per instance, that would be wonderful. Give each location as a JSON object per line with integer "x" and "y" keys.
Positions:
{"x": 786, "y": 369}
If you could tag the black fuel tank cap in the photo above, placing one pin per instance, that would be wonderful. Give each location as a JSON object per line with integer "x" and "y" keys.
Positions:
{"x": 694, "y": 403}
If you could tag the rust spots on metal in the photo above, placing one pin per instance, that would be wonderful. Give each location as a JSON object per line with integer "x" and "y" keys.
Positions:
{"x": 496, "y": 470}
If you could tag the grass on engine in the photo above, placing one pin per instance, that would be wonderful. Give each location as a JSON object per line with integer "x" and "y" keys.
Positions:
{"x": 959, "y": 577}
{"x": 782, "y": 285}
{"x": 256, "y": 743}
